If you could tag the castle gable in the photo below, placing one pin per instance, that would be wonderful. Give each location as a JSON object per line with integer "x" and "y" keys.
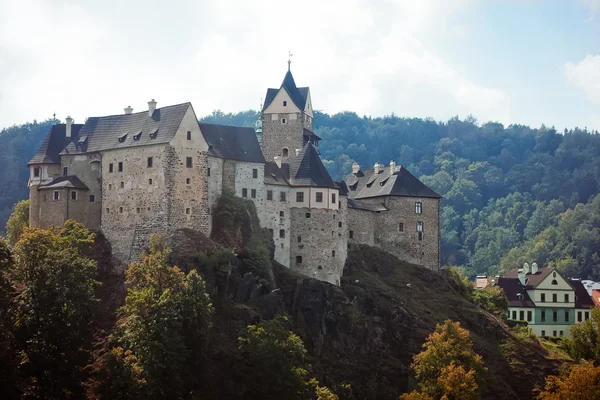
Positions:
{"x": 299, "y": 96}
{"x": 56, "y": 141}
{"x": 132, "y": 130}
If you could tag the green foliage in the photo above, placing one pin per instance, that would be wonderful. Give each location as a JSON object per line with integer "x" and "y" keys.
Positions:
{"x": 272, "y": 362}
{"x": 124, "y": 377}
{"x": 493, "y": 300}
{"x": 165, "y": 322}
{"x": 448, "y": 367}
{"x": 461, "y": 283}
{"x": 584, "y": 343}
{"x": 17, "y": 222}
{"x": 52, "y": 311}
{"x": 7, "y": 357}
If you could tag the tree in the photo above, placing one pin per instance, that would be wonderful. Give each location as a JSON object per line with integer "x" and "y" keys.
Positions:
{"x": 53, "y": 307}
{"x": 272, "y": 362}
{"x": 584, "y": 342}
{"x": 17, "y": 222}
{"x": 493, "y": 300}
{"x": 8, "y": 362}
{"x": 165, "y": 321}
{"x": 448, "y": 367}
{"x": 581, "y": 383}
{"x": 124, "y": 377}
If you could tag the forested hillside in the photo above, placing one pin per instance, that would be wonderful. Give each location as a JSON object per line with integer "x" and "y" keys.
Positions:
{"x": 502, "y": 186}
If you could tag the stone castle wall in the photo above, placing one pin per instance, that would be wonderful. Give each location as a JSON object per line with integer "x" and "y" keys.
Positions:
{"x": 277, "y": 135}
{"x": 215, "y": 185}
{"x": 277, "y": 218}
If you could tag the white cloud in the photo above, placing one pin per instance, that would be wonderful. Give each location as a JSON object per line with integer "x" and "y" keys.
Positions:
{"x": 94, "y": 58}
{"x": 586, "y": 75}
{"x": 592, "y": 5}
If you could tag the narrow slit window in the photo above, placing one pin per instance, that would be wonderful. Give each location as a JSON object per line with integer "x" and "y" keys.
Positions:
{"x": 73, "y": 195}
{"x": 150, "y": 161}
{"x": 189, "y": 135}
{"x": 253, "y": 193}
{"x": 121, "y": 166}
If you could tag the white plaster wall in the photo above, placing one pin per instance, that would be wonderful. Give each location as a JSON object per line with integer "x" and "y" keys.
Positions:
{"x": 310, "y": 198}
{"x": 277, "y": 106}
{"x": 549, "y": 329}
{"x": 536, "y": 296}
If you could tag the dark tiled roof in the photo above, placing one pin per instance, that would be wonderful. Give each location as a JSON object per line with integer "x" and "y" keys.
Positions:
{"x": 275, "y": 175}
{"x": 118, "y": 131}
{"x": 582, "y": 298}
{"x": 532, "y": 280}
{"x": 71, "y": 182}
{"x": 512, "y": 287}
{"x": 54, "y": 143}
{"x": 343, "y": 189}
{"x": 233, "y": 142}
{"x": 298, "y": 95}
{"x": 306, "y": 132}
{"x": 363, "y": 205}
{"x": 306, "y": 169}
{"x": 400, "y": 183}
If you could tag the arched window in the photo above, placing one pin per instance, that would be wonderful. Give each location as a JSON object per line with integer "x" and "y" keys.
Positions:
{"x": 554, "y": 282}
{"x": 285, "y": 152}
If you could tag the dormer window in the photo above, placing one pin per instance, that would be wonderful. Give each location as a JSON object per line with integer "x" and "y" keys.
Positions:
{"x": 123, "y": 137}
{"x": 153, "y": 133}
{"x": 137, "y": 136}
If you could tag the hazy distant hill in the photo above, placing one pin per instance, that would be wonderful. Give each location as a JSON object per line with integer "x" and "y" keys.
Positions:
{"x": 498, "y": 182}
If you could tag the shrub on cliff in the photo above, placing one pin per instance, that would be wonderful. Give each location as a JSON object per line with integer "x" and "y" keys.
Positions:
{"x": 17, "y": 222}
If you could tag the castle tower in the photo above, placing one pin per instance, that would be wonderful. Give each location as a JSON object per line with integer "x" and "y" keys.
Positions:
{"x": 287, "y": 120}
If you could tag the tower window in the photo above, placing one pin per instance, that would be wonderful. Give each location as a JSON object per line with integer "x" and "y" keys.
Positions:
{"x": 189, "y": 135}
{"x": 253, "y": 193}
{"x": 282, "y": 233}
{"x": 138, "y": 210}
{"x": 418, "y": 207}
{"x": 254, "y": 173}
{"x": 208, "y": 172}
{"x": 150, "y": 181}
{"x": 56, "y": 195}
{"x": 107, "y": 210}
{"x": 92, "y": 198}
{"x": 122, "y": 185}
{"x": 300, "y": 197}
{"x": 110, "y": 167}
{"x": 269, "y": 195}
{"x": 284, "y": 152}
{"x": 149, "y": 162}
{"x": 284, "y": 103}
{"x": 419, "y": 227}
{"x": 401, "y": 227}
{"x": 307, "y": 215}
{"x": 298, "y": 259}
{"x": 332, "y": 253}
{"x": 36, "y": 172}
{"x": 319, "y": 197}
{"x": 244, "y": 192}
{"x": 73, "y": 195}
{"x": 283, "y": 120}
{"x": 340, "y": 224}
{"x": 110, "y": 186}
{"x": 121, "y": 210}
{"x": 65, "y": 171}
{"x": 188, "y": 181}
{"x": 120, "y": 166}
{"x": 351, "y": 234}
{"x": 188, "y": 162}
{"x": 187, "y": 211}
{"x": 332, "y": 198}
{"x": 281, "y": 196}
{"x": 299, "y": 239}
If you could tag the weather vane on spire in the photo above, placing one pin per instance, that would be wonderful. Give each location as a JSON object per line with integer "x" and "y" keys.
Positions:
{"x": 289, "y": 59}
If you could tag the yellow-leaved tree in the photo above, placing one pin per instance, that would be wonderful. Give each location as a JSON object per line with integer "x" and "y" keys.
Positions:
{"x": 582, "y": 382}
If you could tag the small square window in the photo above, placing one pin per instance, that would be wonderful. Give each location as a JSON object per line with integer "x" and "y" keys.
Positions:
{"x": 401, "y": 227}
{"x": 319, "y": 197}
{"x": 187, "y": 211}
{"x": 284, "y": 103}
{"x": 253, "y": 193}
{"x": 56, "y": 195}
{"x": 283, "y": 121}
{"x": 73, "y": 195}
{"x": 351, "y": 234}
{"x": 340, "y": 224}
{"x": 150, "y": 181}
{"x": 332, "y": 253}
{"x": 269, "y": 195}
{"x": 188, "y": 181}
{"x": 300, "y": 197}
{"x": 244, "y": 192}
{"x": 281, "y": 196}
{"x": 299, "y": 239}
{"x": 92, "y": 198}
{"x": 122, "y": 185}
{"x": 307, "y": 215}
{"x": 36, "y": 172}
{"x": 188, "y": 162}
{"x": 65, "y": 171}
{"x": 110, "y": 167}
{"x": 107, "y": 210}
{"x": 208, "y": 172}
{"x": 282, "y": 233}
{"x": 254, "y": 173}
{"x": 120, "y": 166}
{"x": 150, "y": 162}
{"x": 120, "y": 210}
{"x": 189, "y": 135}
{"x": 298, "y": 259}
{"x": 138, "y": 210}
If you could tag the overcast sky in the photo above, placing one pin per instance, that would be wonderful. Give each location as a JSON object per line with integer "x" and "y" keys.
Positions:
{"x": 522, "y": 61}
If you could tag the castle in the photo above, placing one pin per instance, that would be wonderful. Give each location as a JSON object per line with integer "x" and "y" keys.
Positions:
{"x": 160, "y": 170}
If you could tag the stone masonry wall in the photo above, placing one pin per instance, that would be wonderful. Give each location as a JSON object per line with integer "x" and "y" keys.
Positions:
{"x": 244, "y": 179}
{"x": 277, "y": 135}
{"x": 275, "y": 221}
{"x": 229, "y": 175}
{"x": 87, "y": 167}
{"x": 361, "y": 225}
{"x": 215, "y": 184}
{"x": 52, "y": 212}
{"x": 319, "y": 241}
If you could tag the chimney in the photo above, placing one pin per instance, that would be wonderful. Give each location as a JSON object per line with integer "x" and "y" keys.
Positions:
{"x": 534, "y": 268}
{"x": 298, "y": 151}
{"x": 376, "y": 167}
{"x": 128, "y": 110}
{"x": 526, "y": 268}
{"x": 151, "y": 107}
{"x": 521, "y": 276}
{"x": 277, "y": 160}
{"x": 68, "y": 128}
{"x": 355, "y": 168}
{"x": 392, "y": 167}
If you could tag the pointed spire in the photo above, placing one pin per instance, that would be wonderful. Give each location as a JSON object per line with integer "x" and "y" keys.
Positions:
{"x": 289, "y": 60}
